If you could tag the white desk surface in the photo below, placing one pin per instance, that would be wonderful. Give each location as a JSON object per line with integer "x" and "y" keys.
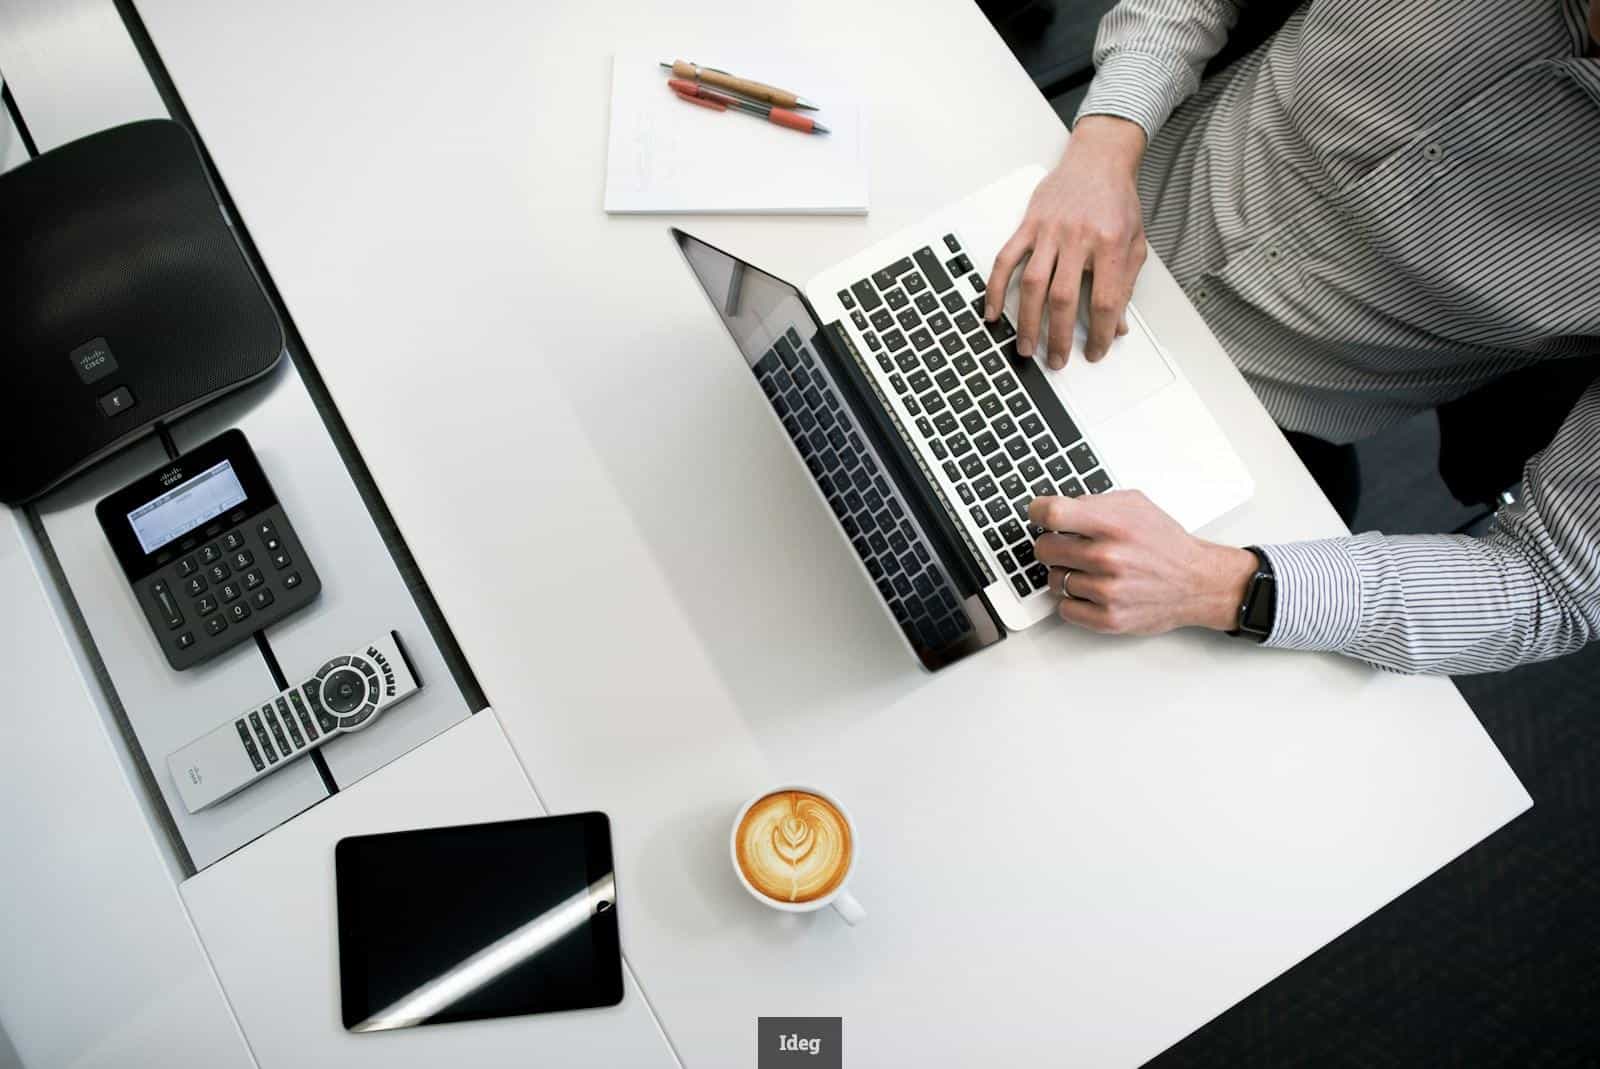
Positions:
{"x": 1074, "y": 850}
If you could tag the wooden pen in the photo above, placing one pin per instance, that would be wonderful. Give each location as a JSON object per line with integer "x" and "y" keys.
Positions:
{"x": 729, "y": 83}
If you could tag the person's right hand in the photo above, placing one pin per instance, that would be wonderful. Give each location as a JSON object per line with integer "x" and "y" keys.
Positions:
{"x": 1084, "y": 217}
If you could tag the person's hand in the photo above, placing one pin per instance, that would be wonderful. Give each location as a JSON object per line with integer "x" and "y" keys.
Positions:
{"x": 1134, "y": 569}
{"x": 1084, "y": 217}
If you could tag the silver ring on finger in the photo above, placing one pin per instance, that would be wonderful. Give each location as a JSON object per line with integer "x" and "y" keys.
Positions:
{"x": 1066, "y": 577}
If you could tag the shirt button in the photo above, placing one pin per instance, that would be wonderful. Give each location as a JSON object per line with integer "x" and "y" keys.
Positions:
{"x": 1273, "y": 253}
{"x": 1201, "y": 294}
{"x": 1434, "y": 151}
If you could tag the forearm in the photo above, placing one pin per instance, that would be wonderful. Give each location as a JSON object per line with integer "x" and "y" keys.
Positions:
{"x": 1149, "y": 55}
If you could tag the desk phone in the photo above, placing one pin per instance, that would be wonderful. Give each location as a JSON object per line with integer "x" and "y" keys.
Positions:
{"x": 210, "y": 554}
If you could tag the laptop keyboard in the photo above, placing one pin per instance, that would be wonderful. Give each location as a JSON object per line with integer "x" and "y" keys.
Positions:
{"x": 870, "y": 509}
{"x": 960, "y": 380}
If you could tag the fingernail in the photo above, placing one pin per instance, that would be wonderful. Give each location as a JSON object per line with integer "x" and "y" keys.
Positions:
{"x": 988, "y": 311}
{"x": 1025, "y": 346}
{"x": 1057, "y": 363}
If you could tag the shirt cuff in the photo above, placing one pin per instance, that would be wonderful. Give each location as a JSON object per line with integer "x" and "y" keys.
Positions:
{"x": 1318, "y": 595}
{"x": 1139, "y": 87}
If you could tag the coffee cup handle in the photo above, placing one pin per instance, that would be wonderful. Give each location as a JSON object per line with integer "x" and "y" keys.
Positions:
{"x": 848, "y": 908}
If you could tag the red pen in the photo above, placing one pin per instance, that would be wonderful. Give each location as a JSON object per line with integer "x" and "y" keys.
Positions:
{"x": 699, "y": 94}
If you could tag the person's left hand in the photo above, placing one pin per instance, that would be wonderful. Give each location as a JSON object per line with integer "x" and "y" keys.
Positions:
{"x": 1134, "y": 570}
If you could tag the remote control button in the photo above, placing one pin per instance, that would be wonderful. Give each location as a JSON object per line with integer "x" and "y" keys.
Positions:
{"x": 186, "y": 567}
{"x": 218, "y": 572}
{"x": 261, "y": 737}
{"x": 374, "y": 689}
{"x": 216, "y": 626}
{"x": 233, "y": 540}
{"x": 253, "y": 579}
{"x": 206, "y": 605}
{"x": 291, "y": 580}
{"x": 365, "y": 666}
{"x": 238, "y": 611}
{"x": 169, "y": 607}
{"x": 186, "y": 640}
{"x": 277, "y": 731}
{"x": 244, "y": 733}
{"x": 280, "y": 560}
{"x": 356, "y": 719}
{"x": 337, "y": 662}
{"x": 231, "y": 591}
{"x": 210, "y": 554}
{"x": 343, "y": 690}
{"x": 265, "y": 529}
{"x": 195, "y": 586}
{"x": 288, "y": 722}
{"x": 243, "y": 559}
{"x": 300, "y": 711}
{"x": 262, "y": 598}
{"x": 328, "y": 723}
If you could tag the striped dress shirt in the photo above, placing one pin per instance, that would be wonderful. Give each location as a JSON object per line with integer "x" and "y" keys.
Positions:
{"x": 1376, "y": 211}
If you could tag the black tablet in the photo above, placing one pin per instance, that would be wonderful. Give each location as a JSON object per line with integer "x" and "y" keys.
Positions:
{"x": 475, "y": 921}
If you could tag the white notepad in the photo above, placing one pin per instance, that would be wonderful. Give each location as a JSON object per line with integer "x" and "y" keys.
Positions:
{"x": 667, "y": 155}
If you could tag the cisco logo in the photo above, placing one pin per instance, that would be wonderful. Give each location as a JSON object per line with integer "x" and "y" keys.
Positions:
{"x": 93, "y": 360}
{"x": 171, "y": 475}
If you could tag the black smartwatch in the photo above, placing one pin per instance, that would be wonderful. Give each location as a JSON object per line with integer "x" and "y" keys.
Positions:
{"x": 1260, "y": 605}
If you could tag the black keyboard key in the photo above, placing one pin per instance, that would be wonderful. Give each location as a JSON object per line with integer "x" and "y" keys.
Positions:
{"x": 1020, "y": 584}
{"x": 914, "y": 283}
{"x": 1006, "y": 562}
{"x": 898, "y": 383}
{"x": 1004, "y": 427}
{"x": 973, "y": 423}
{"x": 1000, "y": 330}
{"x": 912, "y": 406}
{"x": 1012, "y": 486}
{"x": 965, "y": 364}
{"x": 1021, "y": 508}
{"x": 950, "y": 343}
{"x": 1011, "y": 531}
{"x": 951, "y": 472}
{"x": 1030, "y": 469}
{"x": 959, "y": 265}
{"x": 896, "y": 298}
{"x": 902, "y": 586}
{"x": 946, "y": 379}
{"x": 1005, "y": 384}
{"x": 882, "y": 320}
{"x": 1071, "y": 488}
{"x": 977, "y": 283}
{"x": 1019, "y": 405}
{"x": 986, "y": 443}
{"x": 993, "y": 538}
{"x": 979, "y": 517}
{"x": 989, "y": 405}
{"x": 1098, "y": 482}
{"x": 971, "y": 466}
{"x": 925, "y": 302}
{"x": 999, "y": 464}
{"x": 960, "y": 401}
{"x": 951, "y": 243}
{"x": 958, "y": 444}
{"x": 908, "y": 319}
{"x": 1059, "y": 468}
{"x": 1038, "y": 575}
{"x": 885, "y": 278}
{"x": 1083, "y": 458}
{"x": 921, "y": 339}
{"x": 883, "y": 361}
{"x": 965, "y": 491}
{"x": 997, "y": 509}
{"x": 906, "y": 360}
{"x": 938, "y": 449}
{"x": 873, "y": 343}
{"x": 976, "y": 383}
{"x": 894, "y": 340}
{"x": 924, "y": 426}
{"x": 1045, "y": 445}
{"x": 932, "y": 401}
{"x": 984, "y": 487}
{"x": 945, "y": 423}
{"x": 1032, "y": 426}
{"x": 966, "y": 322}
{"x": 939, "y": 323}
{"x": 1023, "y": 551}
{"x": 932, "y": 269}
{"x": 846, "y": 300}
{"x": 1017, "y": 447}
{"x": 933, "y": 359}
{"x": 992, "y": 363}
{"x": 953, "y": 301}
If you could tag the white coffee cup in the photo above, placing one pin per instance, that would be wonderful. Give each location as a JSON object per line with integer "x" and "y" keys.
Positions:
{"x": 839, "y": 898}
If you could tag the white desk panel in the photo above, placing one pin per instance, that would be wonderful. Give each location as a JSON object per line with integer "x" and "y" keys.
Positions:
{"x": 1075, "y": 849}
{"x": 73, "y": 69}
{"x": 268, "y": 916}
{"x": 363, "y": 595}
{"x": 167, "y": 709}
{"x": 86, "y": 881}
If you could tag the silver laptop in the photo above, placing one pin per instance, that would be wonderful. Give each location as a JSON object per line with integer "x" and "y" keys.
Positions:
{"x": 927, "y": 435}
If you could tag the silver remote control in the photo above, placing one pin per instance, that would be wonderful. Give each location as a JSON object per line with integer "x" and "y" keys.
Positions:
{"x": 344, "y": 695}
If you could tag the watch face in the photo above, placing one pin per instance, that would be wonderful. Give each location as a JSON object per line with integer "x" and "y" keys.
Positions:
{"x": 1261, "y": 605}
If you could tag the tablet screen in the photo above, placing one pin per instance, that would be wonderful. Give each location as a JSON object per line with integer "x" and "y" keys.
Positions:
{"x": 484, "y": 920}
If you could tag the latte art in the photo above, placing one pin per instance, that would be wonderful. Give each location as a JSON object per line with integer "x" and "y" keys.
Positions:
{"x": 793, "y": 846}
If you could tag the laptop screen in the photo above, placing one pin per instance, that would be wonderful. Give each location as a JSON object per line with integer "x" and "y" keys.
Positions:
{"x": 841, "y": 433}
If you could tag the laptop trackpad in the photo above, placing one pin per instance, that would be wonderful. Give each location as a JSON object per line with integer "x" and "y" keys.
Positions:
{"x": 1132, "y": 371}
